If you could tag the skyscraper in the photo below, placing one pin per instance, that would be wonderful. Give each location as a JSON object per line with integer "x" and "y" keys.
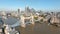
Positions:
{"x": 18, "y": 10}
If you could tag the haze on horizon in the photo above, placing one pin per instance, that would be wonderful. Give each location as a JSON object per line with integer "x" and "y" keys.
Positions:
{"x": 36, "y": 4}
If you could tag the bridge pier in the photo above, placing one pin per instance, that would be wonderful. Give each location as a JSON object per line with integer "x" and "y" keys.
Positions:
{"x": 22, "y": 22}
{"x": 32, "y": 20}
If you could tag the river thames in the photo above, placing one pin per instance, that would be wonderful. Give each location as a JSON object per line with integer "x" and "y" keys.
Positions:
{"x": 37, "y": 28}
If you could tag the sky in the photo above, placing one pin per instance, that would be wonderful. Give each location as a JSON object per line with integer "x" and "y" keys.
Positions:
{"x": 36, "y": 4}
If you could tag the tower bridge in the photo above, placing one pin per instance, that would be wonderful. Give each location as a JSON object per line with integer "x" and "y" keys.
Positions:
{"x": 22, "y": 19}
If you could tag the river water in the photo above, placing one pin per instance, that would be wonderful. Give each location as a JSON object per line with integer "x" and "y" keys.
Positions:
{"x": 37, "y": 28}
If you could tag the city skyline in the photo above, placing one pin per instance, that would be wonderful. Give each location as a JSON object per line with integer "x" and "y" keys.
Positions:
{"x": 36, "y": 4}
